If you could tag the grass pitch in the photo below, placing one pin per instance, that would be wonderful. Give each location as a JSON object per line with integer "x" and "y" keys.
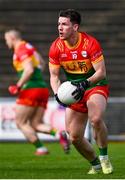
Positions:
{"x": 17, "y": 161}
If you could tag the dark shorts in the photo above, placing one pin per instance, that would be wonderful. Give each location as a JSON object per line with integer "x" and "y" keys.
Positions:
{"x": 81, "y": 105}
{"x": 33, "y": 97}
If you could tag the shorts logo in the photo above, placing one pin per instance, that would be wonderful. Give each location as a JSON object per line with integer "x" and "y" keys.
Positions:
{"x": 84, "y": 53}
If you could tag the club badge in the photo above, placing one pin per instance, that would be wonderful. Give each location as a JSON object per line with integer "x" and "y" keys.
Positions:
{"x": 84, "y": 53}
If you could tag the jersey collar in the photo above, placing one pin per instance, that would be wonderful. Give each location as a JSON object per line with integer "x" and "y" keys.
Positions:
{"x": 77, "y": 44}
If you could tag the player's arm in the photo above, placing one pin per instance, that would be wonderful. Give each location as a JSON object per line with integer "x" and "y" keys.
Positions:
{"x": 54, "y": 77}
{"x": 54, "y": 69}
{"x": 97, "y": 61}
{"x": 41, "y": 60}
{"x": 100, "y": 72}
{"x": 55, "y": 81}
{"x": 54, "y": 66}
{"x": 27, "y": 73}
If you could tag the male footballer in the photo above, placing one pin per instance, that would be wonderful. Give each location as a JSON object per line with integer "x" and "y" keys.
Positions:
{"x": 81, "y": 57}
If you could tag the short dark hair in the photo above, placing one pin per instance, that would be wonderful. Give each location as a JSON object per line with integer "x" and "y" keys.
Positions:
{"x": 74, "y": 16}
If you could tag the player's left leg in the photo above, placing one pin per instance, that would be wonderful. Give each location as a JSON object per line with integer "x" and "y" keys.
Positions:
{"x": 75, "y": 124}
{"x": 96, "y": 108}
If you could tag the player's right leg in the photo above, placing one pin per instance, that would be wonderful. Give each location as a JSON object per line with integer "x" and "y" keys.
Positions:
{"x": 75, "y": 124}
{"x": 23, "y": 115}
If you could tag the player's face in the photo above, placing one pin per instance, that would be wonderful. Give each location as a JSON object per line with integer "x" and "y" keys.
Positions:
{"x": 65, "y": 28}
{"x": 8, "y": 40}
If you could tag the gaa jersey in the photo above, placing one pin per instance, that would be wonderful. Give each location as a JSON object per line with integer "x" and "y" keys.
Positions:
{"x": 25, "y": 52}
{"x": 77, "y": 61}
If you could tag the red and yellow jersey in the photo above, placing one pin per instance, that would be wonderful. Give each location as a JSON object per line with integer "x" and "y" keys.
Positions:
{"x": 25, "y": 52}
{"x": 77, "y": 61}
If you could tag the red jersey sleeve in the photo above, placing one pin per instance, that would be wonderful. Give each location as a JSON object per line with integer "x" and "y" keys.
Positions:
{"x": 54, "y": 54}
{"x": 95, "y": 51}
{"x": 25, "y": 51}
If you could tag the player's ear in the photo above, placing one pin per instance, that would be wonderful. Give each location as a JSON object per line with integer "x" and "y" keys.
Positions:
{"x": 75, "y": 27}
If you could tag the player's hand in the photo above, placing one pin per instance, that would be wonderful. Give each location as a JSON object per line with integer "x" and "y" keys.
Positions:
{"x": 14, "y": 89}
{"x": 81, "y": 87}
{"x": 57, "y": 99}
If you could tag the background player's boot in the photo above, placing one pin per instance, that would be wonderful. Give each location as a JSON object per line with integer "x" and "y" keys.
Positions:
{"x": 64, "y": 141}
{"x": 106, "y": 165}
{"x": 95, "y": 170}
{"x": 41, "y": 151}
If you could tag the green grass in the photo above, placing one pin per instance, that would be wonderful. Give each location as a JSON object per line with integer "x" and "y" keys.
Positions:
{"x": 17, "y": 161}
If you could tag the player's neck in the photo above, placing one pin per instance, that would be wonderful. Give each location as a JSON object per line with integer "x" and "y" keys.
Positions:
{"x": 17, "y": 43}
{"x": 72, "y": 41}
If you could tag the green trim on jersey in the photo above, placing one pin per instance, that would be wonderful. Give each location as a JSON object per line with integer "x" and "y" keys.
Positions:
{"x": 78, "y": 77}
{"x": 36, "y": 80}
{"x": 83, "y": 77}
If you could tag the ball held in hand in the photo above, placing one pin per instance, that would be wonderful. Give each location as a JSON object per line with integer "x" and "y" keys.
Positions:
{"x": 65, "y": 93}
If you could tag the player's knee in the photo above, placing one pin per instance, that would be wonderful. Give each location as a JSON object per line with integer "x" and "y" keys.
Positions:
{"x": 19, "y": 124}
{"x": 34, "y": 125}
{"x": 74, "y": 138}
{"x": 96, "y": 121}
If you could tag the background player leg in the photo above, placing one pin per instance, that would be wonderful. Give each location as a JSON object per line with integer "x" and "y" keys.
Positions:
{"x": 23, "y": 116}
{"x": 39, "y": 125}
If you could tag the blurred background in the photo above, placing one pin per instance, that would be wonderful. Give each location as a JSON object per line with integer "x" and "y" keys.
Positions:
{"x": 37, "y": 20}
